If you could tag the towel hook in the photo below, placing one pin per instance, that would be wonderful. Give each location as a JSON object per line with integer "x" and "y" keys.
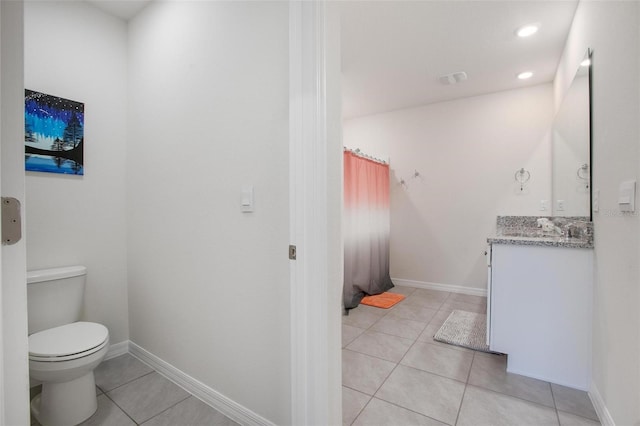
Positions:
{"x": 523, "y": 177}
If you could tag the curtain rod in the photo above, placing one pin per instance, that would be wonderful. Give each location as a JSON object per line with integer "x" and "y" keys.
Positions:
{"x": 363, "y": 155}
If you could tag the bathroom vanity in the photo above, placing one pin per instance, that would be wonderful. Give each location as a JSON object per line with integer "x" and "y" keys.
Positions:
{"x": 539, "y": 307}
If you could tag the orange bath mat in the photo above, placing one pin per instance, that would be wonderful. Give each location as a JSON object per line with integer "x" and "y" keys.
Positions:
{"x": 384, "y": 300}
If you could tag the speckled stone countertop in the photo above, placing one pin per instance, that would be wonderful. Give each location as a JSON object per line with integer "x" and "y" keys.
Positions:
{"x": 577, "y": 232}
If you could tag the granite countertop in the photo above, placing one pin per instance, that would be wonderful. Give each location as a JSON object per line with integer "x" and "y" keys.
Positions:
{"x": 548, "y": 241}
{"x": 523, "y": 230}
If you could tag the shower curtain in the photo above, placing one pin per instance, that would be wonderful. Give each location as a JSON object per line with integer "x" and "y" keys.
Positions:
{"x": 366, "y": 228}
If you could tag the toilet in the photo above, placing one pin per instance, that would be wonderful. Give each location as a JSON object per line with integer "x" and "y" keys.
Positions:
{"x": 63, "y": 351}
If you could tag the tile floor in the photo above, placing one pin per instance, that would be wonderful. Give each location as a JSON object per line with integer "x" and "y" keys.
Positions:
{"x": 131, "y": 393}
{"x": 394, "y": 373}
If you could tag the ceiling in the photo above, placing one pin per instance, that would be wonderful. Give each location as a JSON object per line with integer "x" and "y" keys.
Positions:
{"x": 394, "y": 51}
{"x": 124, "y": 9}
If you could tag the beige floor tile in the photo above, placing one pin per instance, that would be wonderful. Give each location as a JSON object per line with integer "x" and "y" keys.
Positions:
{"x": 382, "y": 413}
{"x": 567, "y": 419}
{"x": 147, "y": 396}
{"x": 467, "y": 298}
{"x": 484, "y": 407}
{"x": 362, "y": 317}
{"x": 490, "y": 372}
{"x": 191, "y": 412}
{"x": 439, "y": 360}
{"x": 413, "y": 312}
{"x": 408, "y": 329}
{"x": 439, "y": 318}
{"x": 349, "y": 334}
{"x": 434, "y": 294}
{"x": 573, "y": 401}
{"x": 381, "y": 345}
{"x": 433, "y": 396}
{"x": 108, "y": 414}
{"x": 427, "y": 298}
{"x": 364, "y": 373}
{"x": 120, "y": 370}
{"x": 352, "y": 404}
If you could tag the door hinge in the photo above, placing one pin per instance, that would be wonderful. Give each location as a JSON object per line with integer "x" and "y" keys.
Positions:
{"x": 292, "y": 252}
{"x": 11, "y": 222}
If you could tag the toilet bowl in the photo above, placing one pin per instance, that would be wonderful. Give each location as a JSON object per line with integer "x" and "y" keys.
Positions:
{"x": 64, "y": 355}
{"x": 63, "y": 359}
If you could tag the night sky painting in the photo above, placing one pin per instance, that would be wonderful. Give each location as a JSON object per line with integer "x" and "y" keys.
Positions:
{"x": 53, "y": 134}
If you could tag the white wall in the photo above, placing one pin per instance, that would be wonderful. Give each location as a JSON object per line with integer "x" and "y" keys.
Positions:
{"x": 14, "y": 367}
{"x": 208, "y": 112}
{"x": 466, "y": 153}
{"x": 78, "y": 52}
{"x": 611, "y": 30}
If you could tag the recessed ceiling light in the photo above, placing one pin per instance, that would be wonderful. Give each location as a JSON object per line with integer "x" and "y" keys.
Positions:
{"x": 585, "y": 63}
{"x": 525, "y": 75}
{"x": 527, "y": 30}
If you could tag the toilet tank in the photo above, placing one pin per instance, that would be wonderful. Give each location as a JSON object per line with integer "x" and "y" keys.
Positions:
{"x": 55, "y": 296}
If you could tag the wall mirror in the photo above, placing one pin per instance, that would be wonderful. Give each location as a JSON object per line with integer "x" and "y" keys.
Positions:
{"x": 571, "y": 147}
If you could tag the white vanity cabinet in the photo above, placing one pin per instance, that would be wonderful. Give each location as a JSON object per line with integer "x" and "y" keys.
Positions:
{"x": 541, "y": 311}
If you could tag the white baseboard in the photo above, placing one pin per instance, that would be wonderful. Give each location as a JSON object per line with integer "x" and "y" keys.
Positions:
{"x": 600, "y": 406}
{"x": 215, "y": 399}
{"x": 117, "y": 349}
{"x": 442, "y": 287}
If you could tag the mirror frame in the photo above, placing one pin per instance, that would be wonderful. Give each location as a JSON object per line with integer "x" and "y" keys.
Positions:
{"x": 589, "y": 56}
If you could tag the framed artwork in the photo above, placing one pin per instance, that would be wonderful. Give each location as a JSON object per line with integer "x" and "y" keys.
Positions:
{"x": 53, "y": 134}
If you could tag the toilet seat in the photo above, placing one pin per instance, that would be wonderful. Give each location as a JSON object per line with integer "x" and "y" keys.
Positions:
{"x": 68, "y": 342}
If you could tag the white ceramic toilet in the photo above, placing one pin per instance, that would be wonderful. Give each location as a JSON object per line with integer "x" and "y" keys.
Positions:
{"x": 63, "y": 352}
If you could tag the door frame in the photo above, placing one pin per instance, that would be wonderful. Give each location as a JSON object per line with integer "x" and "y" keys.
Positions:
{"x": 314, "y": 215}
{"x": 14, "y": 389}
{"x": 312, "y": 380}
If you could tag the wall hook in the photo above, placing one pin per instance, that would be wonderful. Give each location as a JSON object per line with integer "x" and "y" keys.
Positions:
{"x": 523, "y": 177}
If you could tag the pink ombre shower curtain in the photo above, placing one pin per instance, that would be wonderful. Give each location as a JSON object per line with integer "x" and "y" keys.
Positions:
{"x": 366, "y": 228}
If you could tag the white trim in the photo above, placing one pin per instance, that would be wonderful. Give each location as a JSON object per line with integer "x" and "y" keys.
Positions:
{"x": 15, "y": 346}
{"x": 308, "y": 214}
{"x": 2, "y": 401}
{"x": 442, "y": 287}
{"x": 117, "y": 349}
{"x": 600, "y": 406}
{"x": 215, "y": 399}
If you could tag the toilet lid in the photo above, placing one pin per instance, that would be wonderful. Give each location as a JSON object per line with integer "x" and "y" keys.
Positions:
{"x": 67, "y": 339}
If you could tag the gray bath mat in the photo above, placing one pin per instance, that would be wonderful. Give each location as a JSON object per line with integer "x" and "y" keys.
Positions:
{"x": 466, "y": 329}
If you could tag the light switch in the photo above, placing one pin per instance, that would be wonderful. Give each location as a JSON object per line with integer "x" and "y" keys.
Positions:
{"x": 560, "y": 205}
{"x": 627, "y": 196}
{"x": 596, "y": 200}
{"x": 246, "y": 203}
